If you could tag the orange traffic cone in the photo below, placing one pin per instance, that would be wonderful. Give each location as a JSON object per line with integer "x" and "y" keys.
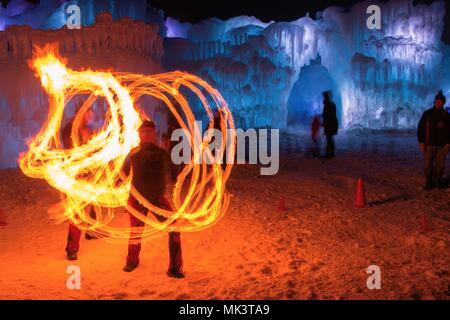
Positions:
{"x": 282, "y": 204}
{"x": 425, "y": 226}
{"x": 360, "y": 198}
{"x": 2, "y": 218}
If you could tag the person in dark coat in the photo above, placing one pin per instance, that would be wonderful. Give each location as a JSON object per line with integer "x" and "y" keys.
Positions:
{"x": 150, "y": 165}
{"x": 434, "y": 138}
{"x": 74, "y": 234}
{"x": 330, "y": 123}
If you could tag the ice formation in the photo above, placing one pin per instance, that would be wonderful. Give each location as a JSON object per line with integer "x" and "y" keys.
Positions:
{"x": 51, "y": 14}
{"x": 270, "y": 73}
{"x": 273, "y": 73}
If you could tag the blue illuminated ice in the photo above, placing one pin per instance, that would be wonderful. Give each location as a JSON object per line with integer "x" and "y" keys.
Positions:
{"x": 381, "y": 78}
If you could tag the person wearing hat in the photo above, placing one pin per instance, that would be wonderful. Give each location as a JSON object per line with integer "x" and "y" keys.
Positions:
{"x": 434, "y": 138}
{"x": 150, "y": 165}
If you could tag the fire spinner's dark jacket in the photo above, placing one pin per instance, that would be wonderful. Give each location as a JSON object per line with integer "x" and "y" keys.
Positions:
{"x": 150, "y": 166}
{"x": 434, "y": 127}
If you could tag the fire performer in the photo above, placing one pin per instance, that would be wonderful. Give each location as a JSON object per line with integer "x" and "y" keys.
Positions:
{"x": 74, "y": 234}
{"x": 150, "y": 164}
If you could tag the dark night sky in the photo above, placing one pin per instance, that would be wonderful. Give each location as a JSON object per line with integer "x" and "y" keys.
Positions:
{"x": 279, "y": 10}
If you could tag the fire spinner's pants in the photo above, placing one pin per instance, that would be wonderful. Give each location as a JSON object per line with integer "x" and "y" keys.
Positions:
{"x": 134, "y": 246}
{"x": 73, "y": 238}
{"x": 435, "y": 164}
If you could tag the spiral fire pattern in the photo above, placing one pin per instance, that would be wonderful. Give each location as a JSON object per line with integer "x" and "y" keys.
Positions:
{"x": 90, "y": 174}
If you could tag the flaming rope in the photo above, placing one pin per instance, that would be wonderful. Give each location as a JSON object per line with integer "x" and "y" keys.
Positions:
{"x": 90, "y": 174}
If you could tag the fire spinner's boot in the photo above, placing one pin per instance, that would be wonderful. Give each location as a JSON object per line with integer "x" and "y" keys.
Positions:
{"x": 175, "y": 274}
{"x": 72, "y": 256}
{"x": 130, "y": 267}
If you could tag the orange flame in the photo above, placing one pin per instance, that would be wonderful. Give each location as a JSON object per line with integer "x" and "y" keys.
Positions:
{"x": 91, "y": 172}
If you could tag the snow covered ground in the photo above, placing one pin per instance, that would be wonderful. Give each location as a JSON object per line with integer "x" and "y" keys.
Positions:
{"x": 319, "y": 248}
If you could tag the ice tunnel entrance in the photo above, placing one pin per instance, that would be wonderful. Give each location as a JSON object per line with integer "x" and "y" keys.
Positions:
{"x": 305, "y": 99}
